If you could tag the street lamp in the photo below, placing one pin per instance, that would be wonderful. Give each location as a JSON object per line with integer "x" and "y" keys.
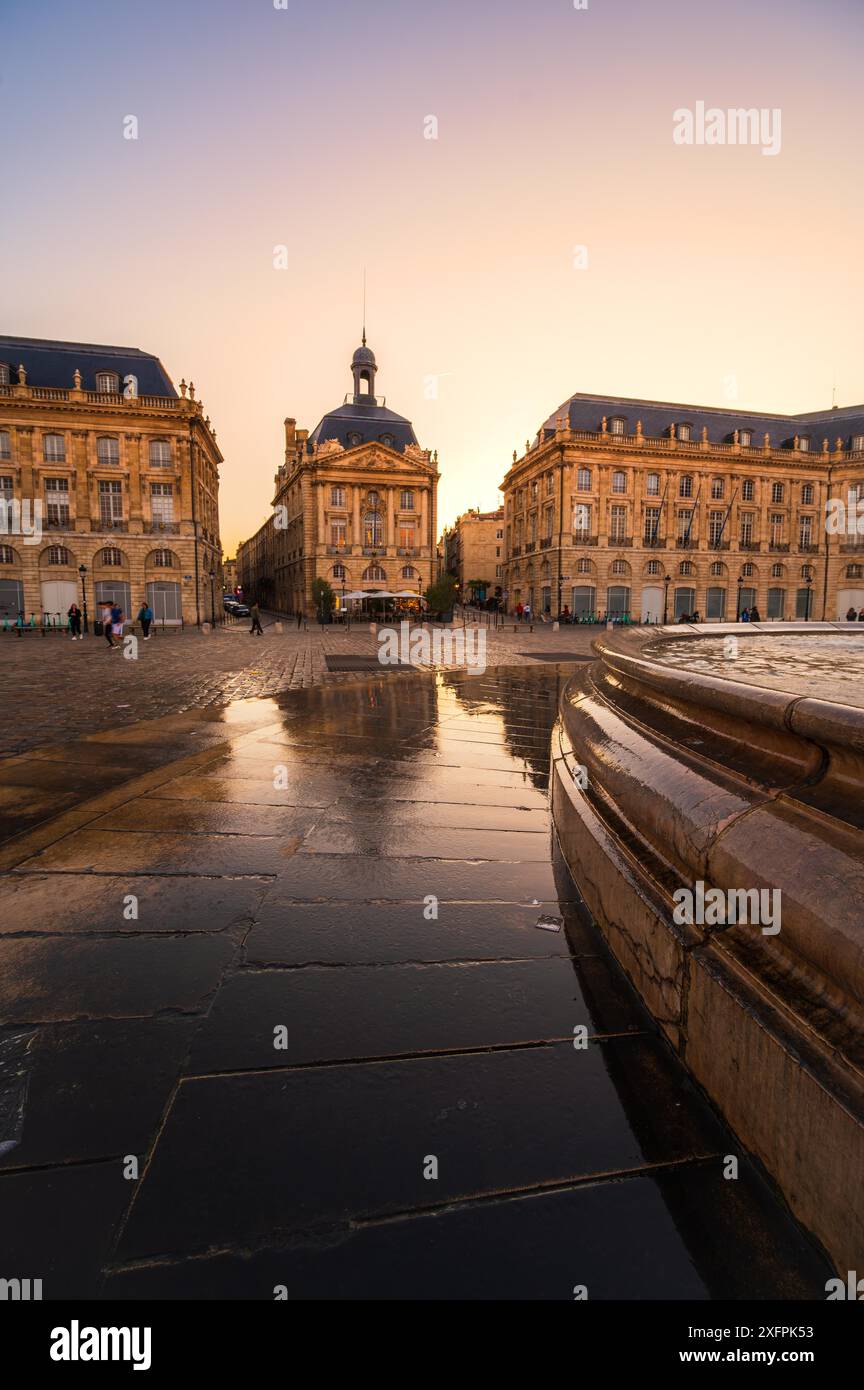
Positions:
{"x": 212, "y": 574}
{"x": 808, "y": 581}
{"x": 666, "y": 581}
{"x": 82, "y": 570}
{"x": 740, "y": 586}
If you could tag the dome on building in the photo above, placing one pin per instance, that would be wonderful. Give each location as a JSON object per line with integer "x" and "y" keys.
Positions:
{"x": 363, "y": 357}
{"x": 361, "y": 420}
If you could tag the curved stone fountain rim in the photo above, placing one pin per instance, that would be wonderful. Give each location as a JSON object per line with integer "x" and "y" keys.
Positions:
{"x": 807, "y": 715}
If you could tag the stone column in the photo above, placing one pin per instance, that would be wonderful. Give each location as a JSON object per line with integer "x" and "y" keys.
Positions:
{"x": 356, "y": 534}
{"x": 391, "y": 519}
{"x": 321, "y": 537}
{"x": 424, "y": 521}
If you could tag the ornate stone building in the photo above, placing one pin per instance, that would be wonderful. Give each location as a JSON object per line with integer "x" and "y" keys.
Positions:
{"x": 355, "y": 504}
{"x": 125, "y": 474}
{"x": 648, "y": 508}
{"x": 474, "y": 547}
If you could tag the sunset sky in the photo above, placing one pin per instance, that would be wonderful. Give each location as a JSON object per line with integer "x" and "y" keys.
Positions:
{"x": 304, "y": 126}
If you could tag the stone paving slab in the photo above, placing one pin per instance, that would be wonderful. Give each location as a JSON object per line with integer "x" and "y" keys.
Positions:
{"x": 91, "y": 905}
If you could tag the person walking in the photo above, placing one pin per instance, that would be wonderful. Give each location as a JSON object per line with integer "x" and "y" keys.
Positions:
{"x": 256, "y": 621}
{"x": 299, "y": 617}
{"x": 118, "y": 619}
{"x": 745, "y": 615}
{"x": 526, "y": 613}
{"x": 851, "y": 616}
{"x": 519, "y": 611}
{"x": 754, "y": 615}
{"x": 74, "y": 616}
{"x": 105, "y": 611}
{"x": 145, "y": 618}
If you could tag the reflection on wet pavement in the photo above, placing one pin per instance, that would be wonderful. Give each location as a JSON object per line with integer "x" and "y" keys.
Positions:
{"x": 833, "y": 663}
{"x": 303, "y": 980}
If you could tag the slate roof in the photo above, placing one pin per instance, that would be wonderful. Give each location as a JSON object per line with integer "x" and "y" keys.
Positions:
{"x": 50, "y": 363}
{"x": 369, "y": 421}
{"x": 585, "y": 412}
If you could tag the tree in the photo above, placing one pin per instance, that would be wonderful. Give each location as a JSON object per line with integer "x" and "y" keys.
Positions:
{"x": 442, "y": 595}
{"x": 324, "y": 599}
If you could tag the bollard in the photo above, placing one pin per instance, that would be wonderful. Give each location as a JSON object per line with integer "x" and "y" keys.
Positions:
{"x": 609, "y": 625}
{"x": 373, "y": 628}
{"x": 556, "y": 627}
{"x": 205, "y": 627}
{"x": 277, "y": 627}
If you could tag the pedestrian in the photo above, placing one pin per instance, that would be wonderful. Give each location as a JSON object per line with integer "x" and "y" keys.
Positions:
{"x": 755, "y": 616}
{"x": 74, "y": 616}
{"x": 861, "y": 616}
{"x": 118, "y": 619}
{"x": 105, "y": 611}
{"x": 145, "y": 618}
{"x": 299, "y": 617}
{"x": 696, "y": 618}
{"x": 519, "y": 612}
{"x": 526, "y": 613}
{"x": 256, "y": 621}
{"x": 745, "y": 615}
{"x": 851, "y": 616}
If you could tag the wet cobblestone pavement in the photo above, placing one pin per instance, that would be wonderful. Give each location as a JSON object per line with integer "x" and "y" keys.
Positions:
{"x": 299, "y": 971}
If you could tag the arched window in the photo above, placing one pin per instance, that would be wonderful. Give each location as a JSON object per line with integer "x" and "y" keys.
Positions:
{"x": 747, "y": 570}
{"x": 374, "y": 572}
{"x": 111, "y": 556}
{"x": 338, "y": 571}
{"x": 583, "y": 566}
{"x": 387, "y": 439}
{"x": 54, "y": 448}
{"x": 806, "y": 571}
{"x": 718, "y": 567}
{"x": 373, "y": 529}
{"x": 372, "y": 499}
{"x": 653, "y": 567}
{"x": 160, "y": 453}
{"x": 7, "y": 555}
{"x": 852, "y": 571}
{"x": 620, "y": 567}
{"x": 776, "y": 571}
{"x": 684, "y": 431}
{"x": 107, "y": 383}
{"x": 617, "y": 424}
{"x": 354, "y": 439}
{"x": 58, "y": 555}
{"x": 163, "y": 559}
{"x": 107, "y": 449}
{"x": 745, "y": 438}
{"x": 685, "y": 567}
{"x": 408, "y": 572}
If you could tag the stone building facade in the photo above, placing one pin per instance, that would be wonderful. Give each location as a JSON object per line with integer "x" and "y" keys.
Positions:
{"x": 474, "y": 547}
{"x": 111, "y": 470}
{"x": 355, "y": 504}
{"x": 655, "y": 509}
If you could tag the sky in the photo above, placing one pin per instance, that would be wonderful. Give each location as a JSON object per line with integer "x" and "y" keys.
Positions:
{"x": 553, "y": 237}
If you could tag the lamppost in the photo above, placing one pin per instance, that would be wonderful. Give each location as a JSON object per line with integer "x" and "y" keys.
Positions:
{"x": 212, "y": 574}
{"x": 666, "y": 581}
{"x": 82, "y": 570}
{"x": 809, "y": 582}
{"x": 740, "y": 587}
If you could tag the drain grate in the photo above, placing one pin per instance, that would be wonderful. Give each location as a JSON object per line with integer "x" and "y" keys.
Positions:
{"x": 557, "y": 656}
{"x": 364, "y": 663}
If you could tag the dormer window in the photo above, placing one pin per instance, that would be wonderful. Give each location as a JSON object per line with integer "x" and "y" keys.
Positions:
{"x": 616, "y": 424}
{"x": 354, "y": 439}
{"x": 745, "y": 438}
{"x": 107, "y": 383}
{"x": 684, "y": 431}
{"x": 4, "y": 373}
{"x": 388, "y": 440}
{"x": 804, "y": 444}
{"x": 857, "y": 439}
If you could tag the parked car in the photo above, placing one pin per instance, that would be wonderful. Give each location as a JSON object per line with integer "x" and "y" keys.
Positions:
{"x": 239, "y": 610}
{"x": 229, "y": 602}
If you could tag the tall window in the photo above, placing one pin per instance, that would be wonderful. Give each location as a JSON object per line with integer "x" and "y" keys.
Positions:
{"x": 550, "y": 484}
{"x": 338, "y": 533}
{"x": 534, "y": 490}
{"x": 583, "y": 480}
{"x": 57, "y": 501}
{"x": 776, "y": 528}
{"x": 778, "y": 491}
{"x": 804, "y": 444}
{"x": 652, "y": 523}
{"x": 107, "y": 449}
{"x": 685, "y": 486}
{"x": 746, "y": 534}
{"x": 160, "y": 453}
{"x": 685, "y": 518}
{"x": 715, "y": 527}
{"x": 619, "y": 481}
{"x": 652, "y": 485}
{"x": 857, "y": 443}
{"x": 748, "y": 490}
{"x": 616, "y": 425}
{"x": 745, "y": 437}
{"x": 618, "y": 525}
{"x": 7, "y": 555}
{"x": 4, "y": 373}
{"x": 373, "y": 529}
{"x": 406, "y": 535}
{"x": 805, "y": 531}
{"x": 54, "y": 448}
{"x": 548, "y": 522}
{"x": 581, "y": 521}
{"x": 107, "y": 382}
{"x": 406, "y": 500}
{"x": 337, "y": 497}
{"x": 7, "y": 489}
{"x": 684, "y": 432}
{"x": 110, "y": 502}
{"x": 807, "y": 494}
{"x": 162, "y": 503}
{"x": 718, "y": 487}
{"x": 5, "y": 445}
